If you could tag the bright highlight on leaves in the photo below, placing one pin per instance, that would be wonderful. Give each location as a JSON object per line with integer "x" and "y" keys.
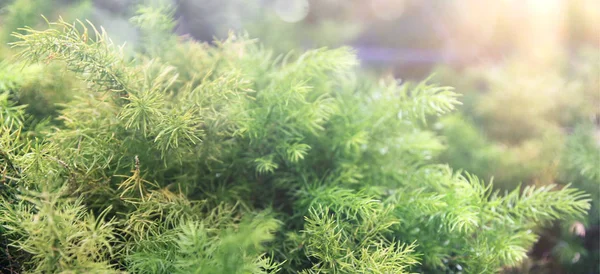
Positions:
{"x": 227, "y": 159}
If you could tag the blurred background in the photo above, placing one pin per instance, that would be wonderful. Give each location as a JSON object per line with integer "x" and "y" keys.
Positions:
{"x": 528, "y": 70}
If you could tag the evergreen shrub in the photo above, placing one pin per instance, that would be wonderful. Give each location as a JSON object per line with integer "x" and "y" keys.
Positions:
{"x": 190, "y": 158}
{"x": 555, "y": 141}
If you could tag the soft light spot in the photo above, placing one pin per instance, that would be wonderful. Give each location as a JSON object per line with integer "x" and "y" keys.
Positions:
{"x": 291, "y": 10}
{"x": 576, "y": 258}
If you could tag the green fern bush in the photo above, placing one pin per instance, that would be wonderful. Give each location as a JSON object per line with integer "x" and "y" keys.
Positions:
{"x": 497, "y": 134}
{"x": 534, "y": 161}
{"x": 520, "y": 115}
{"x": 580, "y": 159}
{"x": 192, "y": 158}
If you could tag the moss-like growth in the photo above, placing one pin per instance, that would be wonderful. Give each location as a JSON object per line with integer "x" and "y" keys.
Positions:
{"x": 228, "y": 159}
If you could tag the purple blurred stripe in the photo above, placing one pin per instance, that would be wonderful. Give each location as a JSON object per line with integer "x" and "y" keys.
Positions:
{"x": 391, "y": 55}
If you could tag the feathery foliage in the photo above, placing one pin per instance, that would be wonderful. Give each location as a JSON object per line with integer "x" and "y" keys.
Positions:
{"x": 543, "y": 132}
{"x": 230, "y": 159}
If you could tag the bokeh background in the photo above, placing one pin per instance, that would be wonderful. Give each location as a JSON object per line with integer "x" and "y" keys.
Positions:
{"x": 528, "y": 70}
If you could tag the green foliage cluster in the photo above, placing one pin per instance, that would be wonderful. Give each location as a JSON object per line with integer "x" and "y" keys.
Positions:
{"x": 537, "y": 127}
{"x": 192, "y": 158}
{"x": 579, "y": 164}
{"x": 21, "y": 14}
{"x": 534, "y": 161}
{"x": 518, "y": 116}
{"x": 15, "y": 14}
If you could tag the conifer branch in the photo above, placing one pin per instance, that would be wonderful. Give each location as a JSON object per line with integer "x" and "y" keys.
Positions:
{"x": 90, "y": 54}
